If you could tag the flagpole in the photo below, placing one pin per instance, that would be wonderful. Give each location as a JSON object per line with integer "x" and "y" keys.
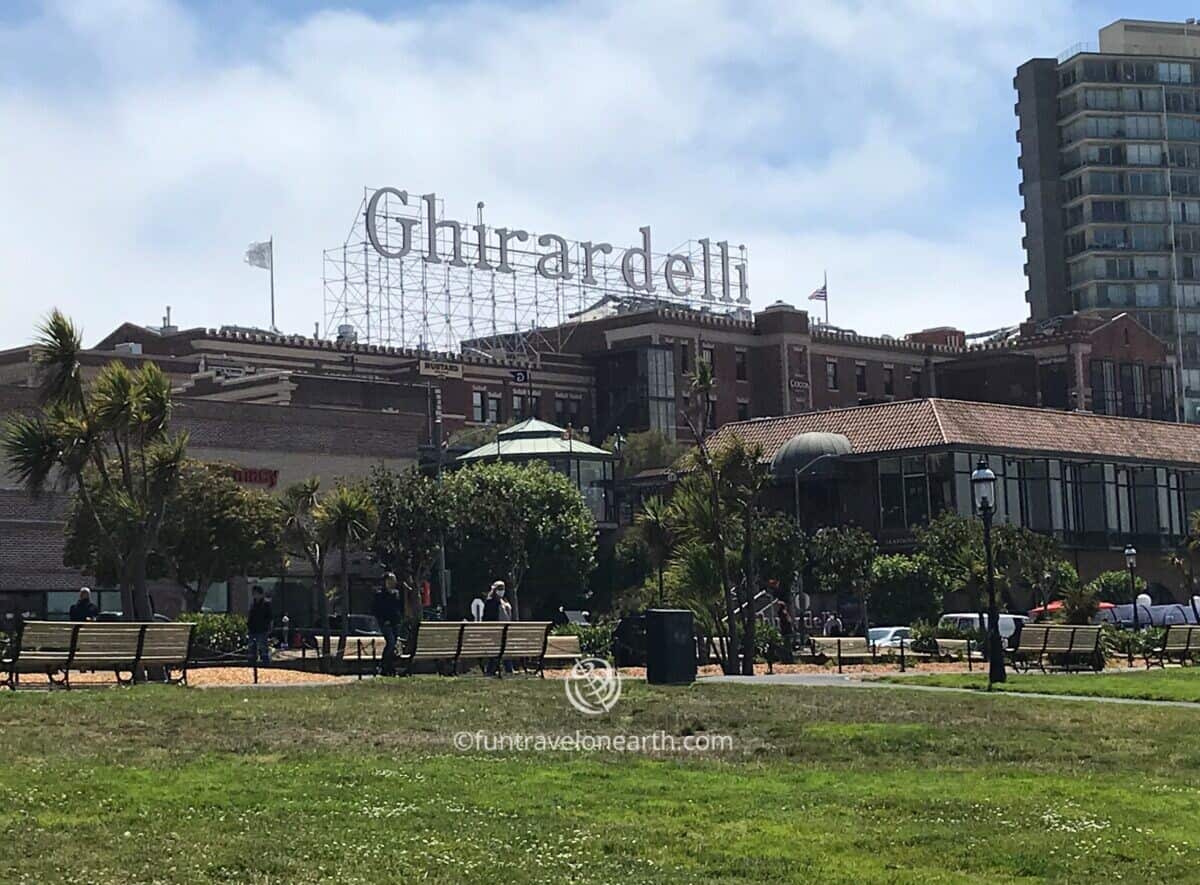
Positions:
{"x": 271, "y": 247}
{"x": 825, "y": 286}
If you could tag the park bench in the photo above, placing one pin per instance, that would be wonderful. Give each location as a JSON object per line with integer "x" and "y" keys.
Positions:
{"x": 1030, "y": 646}
{"x": 562, "y": 651}
{"x": 843, "y": 649}
{"x": 1181, "y": 642}
{"x": 447, "y": 645}
{"x": 57, "y": 647}
{"x": 960, "y": 649}
{"x": 1061, "y": 645}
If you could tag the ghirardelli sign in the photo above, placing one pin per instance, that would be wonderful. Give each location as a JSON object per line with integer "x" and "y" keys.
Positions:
{"x": 399, "y": 226}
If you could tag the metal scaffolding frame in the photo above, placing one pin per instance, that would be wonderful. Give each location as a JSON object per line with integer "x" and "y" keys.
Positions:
{"x": 434, "y": 306}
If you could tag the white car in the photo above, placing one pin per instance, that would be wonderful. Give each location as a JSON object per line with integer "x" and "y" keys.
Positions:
{"x": 889, "y": 637}
{"x": 1009, "y": 624}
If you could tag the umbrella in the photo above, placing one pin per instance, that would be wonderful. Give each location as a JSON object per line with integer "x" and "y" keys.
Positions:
{"x": 1057, "y": 604}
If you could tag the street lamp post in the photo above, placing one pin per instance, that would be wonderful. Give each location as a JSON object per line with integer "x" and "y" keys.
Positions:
{"x": 983, "y": 486}
{"x": 1131, "y": 566}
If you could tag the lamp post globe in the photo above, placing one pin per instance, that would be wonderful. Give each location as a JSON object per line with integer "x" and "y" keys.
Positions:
{"x": 1131, "y": 565}
{"x": 983, "y": 490}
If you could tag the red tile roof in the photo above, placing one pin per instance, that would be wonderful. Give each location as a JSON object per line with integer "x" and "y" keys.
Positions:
{"x": 930, "y": 423}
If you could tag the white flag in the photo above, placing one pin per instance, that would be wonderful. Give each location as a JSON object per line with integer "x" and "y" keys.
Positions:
{"x": 259, "y": 255}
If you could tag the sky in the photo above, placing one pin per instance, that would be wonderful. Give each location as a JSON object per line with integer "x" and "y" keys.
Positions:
{"x": 145, "y": 143}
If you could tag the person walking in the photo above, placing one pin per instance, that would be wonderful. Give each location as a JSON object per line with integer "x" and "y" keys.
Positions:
{"x": 258, "y": 628}
{"x": 833, "y": 626}
{"x": 388, "y": 609}
{"x": 84, "y": 609}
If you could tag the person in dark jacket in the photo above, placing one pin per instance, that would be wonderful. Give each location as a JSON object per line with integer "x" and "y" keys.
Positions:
{"x": 388, "y": 609}
{"x": 493, "y": 605}
{"x": 258, "y": 626}
{"x": 84, "y": 609}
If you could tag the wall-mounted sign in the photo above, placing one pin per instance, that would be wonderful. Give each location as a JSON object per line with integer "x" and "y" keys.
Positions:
{"x": 436, "y": 369}
{"x": 519, "y": 376}
{"x": 799, "y": 384}
{"x": 257, "y": 476}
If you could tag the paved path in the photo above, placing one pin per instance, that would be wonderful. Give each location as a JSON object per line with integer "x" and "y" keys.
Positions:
{"x": 843, "y": 681}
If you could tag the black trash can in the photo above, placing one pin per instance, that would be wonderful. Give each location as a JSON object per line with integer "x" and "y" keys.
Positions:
{"x": 670, "y": 647}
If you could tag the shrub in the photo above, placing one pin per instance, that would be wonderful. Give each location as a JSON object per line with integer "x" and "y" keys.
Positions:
{"x": 216, "y": 634}
{"x": 595, "y": 640}
{"x": 923, "y": 637}
{"x": 1118, "y": 642}
{"x": 768, "y": 643}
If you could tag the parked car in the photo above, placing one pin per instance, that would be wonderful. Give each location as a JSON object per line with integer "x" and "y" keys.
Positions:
{"x": 1010, "y": 625}
{"x": 888, "y": 637}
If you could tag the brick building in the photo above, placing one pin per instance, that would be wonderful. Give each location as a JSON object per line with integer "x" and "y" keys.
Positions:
{"x": 282, "y": 408}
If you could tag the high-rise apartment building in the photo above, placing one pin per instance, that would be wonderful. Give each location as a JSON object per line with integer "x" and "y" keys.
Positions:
{"x": 1110, "y": 164}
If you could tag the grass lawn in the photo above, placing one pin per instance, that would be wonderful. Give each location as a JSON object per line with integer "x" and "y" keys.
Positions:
{"x": 361, "y": 783}
{"x": 1180, "y": 684}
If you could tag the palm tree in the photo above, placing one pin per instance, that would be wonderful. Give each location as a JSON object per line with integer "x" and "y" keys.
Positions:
{"x": 345, "y": 519}
{"x": 298, "y": 507}
{"x": 654, "y": 525}
{"x": 745, "y": 476}
{"x": 698, "y": 419}
{"x": 107, "y": 442}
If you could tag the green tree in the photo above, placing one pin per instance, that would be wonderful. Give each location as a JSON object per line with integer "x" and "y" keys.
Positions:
{"x": 1114, "y": 587}
{"x": 954, "y": 546}
{"x": 526, "y": 524}
{"x": 216, "y": 529}
{"x": 346, "y": 520}
{"x": 782, "y": 549}
{"x": 1024, "y": 558}
{"x": 699, "y": 417}
{"x": 904, "y": 589}
{"x": 302, "y": 536}
{"x": 108, "y": 442}
{"x": 653, "y": 526}
{"x": 744, "y": 476}
{"x": 843, "y": 557}
{"x": 646, "y": 450}
{"x": 416, "y": 515}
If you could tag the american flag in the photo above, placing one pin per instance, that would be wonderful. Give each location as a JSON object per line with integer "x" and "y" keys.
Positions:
{"x": 821, "y": 294}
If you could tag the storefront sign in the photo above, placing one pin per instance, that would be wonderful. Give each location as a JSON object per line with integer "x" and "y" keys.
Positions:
{"x": 436, "y": 369}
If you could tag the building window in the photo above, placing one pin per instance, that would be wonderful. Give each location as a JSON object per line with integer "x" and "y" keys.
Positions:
{"x": 477, "y": 405}
{"x": 684, "y": 357}
{"x": 739, "y": 366}
{"x": 860, "y": 377}
{"x": 889, "y": 381}
{"x": 524, "y": 406}
{"x": 709, "y": 356}
{"x": 566, "y": 411}
{"x": 917, "y": 387}
{"x": 743, "y": 410}
{"x": 493, "y": 408}
{"x": 712, "y": 414}
{"x": 831, "y": 374}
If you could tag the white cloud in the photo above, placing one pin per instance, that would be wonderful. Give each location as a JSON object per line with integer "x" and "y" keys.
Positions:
{"x": 823, "y": 135}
